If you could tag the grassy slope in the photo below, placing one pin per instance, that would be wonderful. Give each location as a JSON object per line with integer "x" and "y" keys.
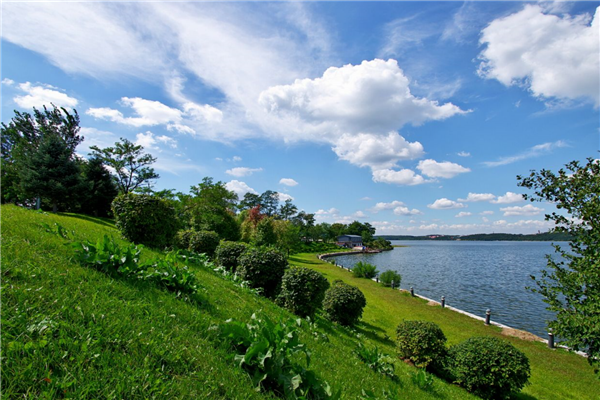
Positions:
{"x": 556, "y": 374}
{"x": 72, "y": 332}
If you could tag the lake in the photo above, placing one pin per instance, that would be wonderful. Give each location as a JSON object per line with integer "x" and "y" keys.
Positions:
{"x": 473, "y": 276}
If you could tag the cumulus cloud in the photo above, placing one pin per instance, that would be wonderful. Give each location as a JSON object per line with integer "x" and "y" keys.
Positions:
{"x": 242, "y": 171}
{"x": 555, "y": 57}
{"x": 509, "y": 198}
{"x": 405, "y": 211}
{"x": 463, "y": 154}
{"x": 463, "y": 214}
{"x": 434, "y": 169}
{"x": 445, "y": 204}
{"x": 402, "y": 177}
{"x": 148, "y": 113}
{"x": 40, "y": 95}
{"x": 535, "y": 151}
{"x": 519, "y": 211}
{"x": 358, "y": 109}
{"x": 239, "y": 188}
{"x": 475, "y": 197}
{"x": 8, "y": 82}
{"x": 150, "y": 141}
{"x": 382, "y": 206}
{"x": 486, "y": 213}
{"x": 288, "y": 182}
{"x": 284, "y": 196}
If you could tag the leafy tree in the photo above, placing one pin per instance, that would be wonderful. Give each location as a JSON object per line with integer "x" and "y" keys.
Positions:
{"x": 210, "y": 207}
{"x": 571, "y": 283}
{"x": 265, "y": 233}
{"x": 101, "y": 188}
{"x": 21, "y": 139}
{"x": 249, "y": 201}
{"x": 269, "y": 202}
{"x": 365, "y": 230}
{"x": 304, "y": 222}
{"x": 130, "y": 163}
{"x": 288, "y": 210}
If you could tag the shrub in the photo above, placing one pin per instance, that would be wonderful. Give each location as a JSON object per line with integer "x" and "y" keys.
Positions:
{"x": 263, "y": 268}
{"x": 421, "y": 342}
{"x": 488, "y": 367}
{"x": 344, "y": 303}
{"x": 228, "y": 254}
{"x": 302, "y": 291}
{"x": 390, "y": 278}
{"x": 364, "y": 270}
{"x": 145, "y": 219}
{"x": 198, "y": 241}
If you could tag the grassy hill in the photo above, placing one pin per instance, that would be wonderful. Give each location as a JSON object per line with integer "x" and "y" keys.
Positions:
{"x": 73, "y": 332}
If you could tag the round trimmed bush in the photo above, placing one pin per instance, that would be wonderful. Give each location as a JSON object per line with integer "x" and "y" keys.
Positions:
{"x": 228, "y": 254}
{"x": 421, "y": 342}
{"x": 263, "y": 268}
{"x": 488, "y": 367}
{"x": 145, "y": 219}
{"x": 198, "y": 241}
{"x": 302, "y": 291}
{"x": 344, "y": 303}
{"x": 390, "y": 279}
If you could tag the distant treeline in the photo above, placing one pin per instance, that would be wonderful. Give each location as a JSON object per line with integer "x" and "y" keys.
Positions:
{"x": 539, "y": 237}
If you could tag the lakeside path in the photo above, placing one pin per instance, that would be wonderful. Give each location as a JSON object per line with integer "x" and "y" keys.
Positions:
{"x": 554, "y": 373}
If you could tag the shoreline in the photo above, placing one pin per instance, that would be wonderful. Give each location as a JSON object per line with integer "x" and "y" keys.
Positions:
{"x": 506, "y": 330}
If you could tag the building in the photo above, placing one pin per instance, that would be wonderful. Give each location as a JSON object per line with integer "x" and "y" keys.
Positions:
{"x": 349, "y": 241}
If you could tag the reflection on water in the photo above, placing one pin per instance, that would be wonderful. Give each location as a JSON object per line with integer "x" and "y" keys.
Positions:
{"x": 474, "y": 276}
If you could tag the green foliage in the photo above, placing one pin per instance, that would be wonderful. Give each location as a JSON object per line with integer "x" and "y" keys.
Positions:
{"x": 364, "y": 270}
{"x": 390, "y": 279}
{"x": 228, "y": 254}
{"x": 302, "y": 291}
{"x": 489, "y": 367}
{"x": 365, "y": 230}
{"x": 60, "y": 230}
{"x": 101, "y": 188}
{"x": 197, "y": 241}
{"x": 145, "y": 219}
{"x": 571, "y": 283}
{"x": 422, "y": 379}
{"x": 380, "y": 244}
{"x": 344, "y": 303}
{"x": 107, "y": 256}
{"x": 268, "y": 351}
{"x": 129, "y": 162}
{"x": 421, "y": 342}
{"x": 376, "y": 360}
{"x": 263, "y": 268}
{"x": 264, "y": 234}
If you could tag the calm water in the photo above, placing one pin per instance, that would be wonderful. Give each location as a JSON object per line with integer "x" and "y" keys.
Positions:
{"x": 474, "y": 276}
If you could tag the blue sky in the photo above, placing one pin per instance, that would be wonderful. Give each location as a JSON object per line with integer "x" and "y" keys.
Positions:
{"x": 413, "y": 116}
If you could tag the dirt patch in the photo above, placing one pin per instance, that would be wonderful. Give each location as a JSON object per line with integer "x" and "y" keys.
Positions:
{"x": 521, "y": 335}
{"x": 433, "y": 303}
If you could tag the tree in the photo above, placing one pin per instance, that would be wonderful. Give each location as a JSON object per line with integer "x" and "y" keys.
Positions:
{"x": 249, "y": 201}
{"x": 571, "y": 283}
{"x": 129, "y": 162}
{"x": 21, "y": 139}
{"x": 288, "y": 210}
{"x": 53, "y": 174}
{"x": 269, "y": 201}
{"x": 101, "y": 188}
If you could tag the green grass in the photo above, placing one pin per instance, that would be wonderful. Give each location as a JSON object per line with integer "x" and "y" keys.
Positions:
{"x": 74, "y": 332}
{"x": 555, "y": 374}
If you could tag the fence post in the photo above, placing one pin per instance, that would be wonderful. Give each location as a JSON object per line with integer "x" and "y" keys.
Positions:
{"x": 550, "y": 339}
{"x": 412, "y": 291}
{"x": 443, "y": 301}
{"x": 488, "y": 313}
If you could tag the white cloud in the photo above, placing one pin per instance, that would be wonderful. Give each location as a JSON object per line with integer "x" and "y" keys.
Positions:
{"x": 463, "y": 214}
{"x": 402, "y": 177}
{"x": 486, "y": 213}
{"x": 356, "y": 108}
{"x": 518, "y": 211}
{"x": 236, "y": 159}
{"x": 463, "y": 154}
{"x": 181, "y": 128}
{"x": 239, "y": 188}
{"x": 359, "y": 214}
{"x": 288, "y": 182}
{"x": 535, "y": 151}
{"x": 203, "y": 113}
{"x": 445, "y": 204}
{"x": 242, "y": 171}
{"x": 509, "y": 198}
{"x": 149, "y": 141}
{"x": 148, "y": 113}
{"x": 95, "y": 137}
{"x": 474, "y": 197}
{"x": 554, "y": 56}
{"x": 434, "y": 169}
{"x": 38, "y": 96}
{"x": 284, "y": 196}
{"x": 405, "y": 211}
{"x": 382, "y": 206}
{"x": 8, "y": 82}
